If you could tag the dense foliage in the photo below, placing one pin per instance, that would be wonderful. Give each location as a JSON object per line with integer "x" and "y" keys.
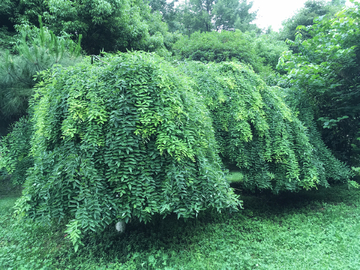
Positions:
{"x": 325, "y": 74}
{"x": 218, "y": 47}
{"x": 261, "y": 53}
{"x": 305, "y": 16}
{"x": 37, "y": 49}
{"x": 125, "y": 138}
{"x": 208, "y": 15}
{"x": 15, "y": 156}
{"x": 257, "y": 132}
{"x": 109, "y": 25}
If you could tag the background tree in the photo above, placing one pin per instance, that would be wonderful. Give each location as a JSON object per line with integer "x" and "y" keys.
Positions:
{"x": 306, "y": 15}
{"x": 7, "y": 30}
{"x": 110, "y": 25}
{"x": 245, "y": 17}
{"x": 234, "y": 14}
{"x": 209, "y": 15}
{"x": 218, "y": 47}
{"x": 325, "y": 74}
{"x": 37, "y": 49}
{"x": 260, "y": 52}
{"x": 168, "y": 12}
{"x": 197, "y": 16}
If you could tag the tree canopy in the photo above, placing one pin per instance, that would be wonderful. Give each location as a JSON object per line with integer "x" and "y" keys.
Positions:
{"x": 261, "y": 53}
{"x": 325, "y": 74}
{"x": 110, "y": 25}
{"x": 305, "y": 16}
{"x": 209, "y": 15}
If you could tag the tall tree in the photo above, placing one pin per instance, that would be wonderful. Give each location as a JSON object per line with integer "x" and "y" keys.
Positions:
{"x": 167, "y": 11}
{"x": 37, "y": 49}
{"x": 245, "y": 17}
{"x": 198, "y": 15}
{"x": 306, "y": 15}
{"x": 209, "y": 15}
{"x": 225, "y": 14}
{"x": 325, "y": 74}
{"x": 110, "y": 25}
{"x": 231, "y": 14}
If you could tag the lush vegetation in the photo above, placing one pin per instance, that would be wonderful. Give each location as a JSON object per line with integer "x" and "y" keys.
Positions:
{"x": 195, "y": 110}
{"x": 125, "y": 138}
{"x": 36, "y": 49}
{"x": 257, "y": 132}
{"x": 316, "y": 229}
{"x": 109, "y": 25}
{"x": 325, "y": 74}
{"x": 306, "y": 15}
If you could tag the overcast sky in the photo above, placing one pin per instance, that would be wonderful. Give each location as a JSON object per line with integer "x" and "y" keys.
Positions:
{"x": 274, "y": 12}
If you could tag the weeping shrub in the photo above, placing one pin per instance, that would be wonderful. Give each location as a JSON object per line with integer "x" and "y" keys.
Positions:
{"x": 15, "y": 156}
{"x": 124, "y": 138}
{"x": 258, "y": 134}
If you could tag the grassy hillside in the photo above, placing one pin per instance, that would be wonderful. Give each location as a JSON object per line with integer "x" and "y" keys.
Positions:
{"x": 307, "y": 230}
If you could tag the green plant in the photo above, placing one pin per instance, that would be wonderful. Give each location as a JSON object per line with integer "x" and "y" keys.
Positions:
{"x": 110, "y": 25}
{"x": 218, "y": 47}
{"x": 260, "y": 52}
{"x": 37, "y": 49}
{"x": 15, "y": 155}
{"x": 325, "y": 75}
{"x": 124, "y": 138}
{"x": 259, "y": 134}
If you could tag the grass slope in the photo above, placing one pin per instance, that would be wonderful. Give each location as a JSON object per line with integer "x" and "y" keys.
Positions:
{"x": 306, "y": 230}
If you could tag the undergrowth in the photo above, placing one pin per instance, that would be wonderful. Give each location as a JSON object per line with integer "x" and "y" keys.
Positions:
{"x": 305, "y": 230}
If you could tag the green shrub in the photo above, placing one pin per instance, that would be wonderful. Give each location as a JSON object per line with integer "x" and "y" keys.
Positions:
{"x": 15, "y": 155}
{"x": 261, "y": 53}
{"x": 325, "y": 74}
{"x": 258, "y": 133}
{"x": 124, "y": 138}
{"x": 219, "y": 47}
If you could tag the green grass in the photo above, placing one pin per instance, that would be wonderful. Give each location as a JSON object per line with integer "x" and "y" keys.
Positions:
{"x": 235, "y": 177}
{"x": 306, "y": 230}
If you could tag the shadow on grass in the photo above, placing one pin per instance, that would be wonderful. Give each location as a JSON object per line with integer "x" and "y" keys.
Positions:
{"x": 178, "y": 236}
{"x": 7, "y": 189}
{"x": 268, "y": 204}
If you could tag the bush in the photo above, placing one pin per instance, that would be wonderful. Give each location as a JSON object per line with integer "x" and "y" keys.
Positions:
{"x": 15, "y": 155}
{"x": 124, "y": 138}
{"x": 258, "y": 134}
{"x": 325, "y": 74}
{"x": 219, "y": 47}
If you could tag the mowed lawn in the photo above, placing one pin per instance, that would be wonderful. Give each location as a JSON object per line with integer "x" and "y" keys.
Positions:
{"x": 318, "y": 229}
